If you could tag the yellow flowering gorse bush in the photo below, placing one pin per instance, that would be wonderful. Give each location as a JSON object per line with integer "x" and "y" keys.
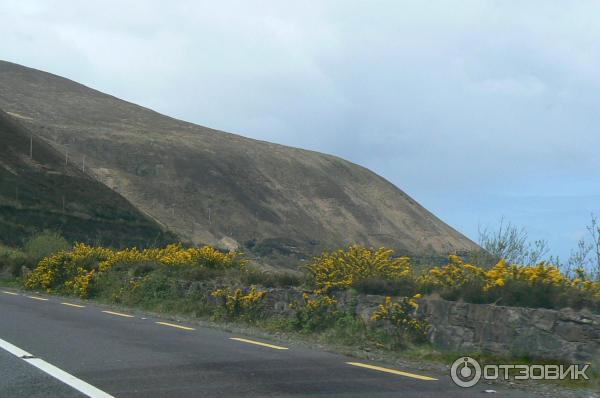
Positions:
{"x": 78, "y": 270}
{"x": 540, "y": 285}
{"x": 75, "y": 270}
{"x": 457, "y": 273}
{"x": 236, "y": 303}
{"x": 401, "y": 315}
{"x": 343, "y": 268}
{"x": 314, "y": 312}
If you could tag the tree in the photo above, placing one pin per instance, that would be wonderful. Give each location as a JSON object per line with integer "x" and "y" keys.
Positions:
{"x": 512, "y": 243}
{"x": 594, "y": 233}
{"x": 587, "y": 254}
{"x": 579, "y": 258}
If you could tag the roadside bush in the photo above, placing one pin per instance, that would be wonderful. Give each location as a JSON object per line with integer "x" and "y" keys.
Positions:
{"x": 378, "y": 272}
{"x": 68, "y": 271}
{"x": 12, "y": 261}
{"x": 400, "y": 315}
{"x": 75, "y": 271}
{"x": 271, "y": 279}
{"x": 351, "y": 330}
{"x": 387, "y": 287}
{"x": 315, "y": 313}
{"x": 44, "y": 244}
{"x": 239, "y": 304}
{"x": 345, "y": 268}
{"x": 455, "y": 280}
{"x": 542, "y": 285}
{"x": 35, "y": 248}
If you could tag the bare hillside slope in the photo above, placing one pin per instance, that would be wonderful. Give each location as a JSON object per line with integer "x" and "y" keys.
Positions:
{"x": 219, "y": 188}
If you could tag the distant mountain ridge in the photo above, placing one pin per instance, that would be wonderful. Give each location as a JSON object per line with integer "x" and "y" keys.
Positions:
{"x": 219, "y": 188}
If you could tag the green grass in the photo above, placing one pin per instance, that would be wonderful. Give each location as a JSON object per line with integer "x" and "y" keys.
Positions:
{"x": 10, "y": 282}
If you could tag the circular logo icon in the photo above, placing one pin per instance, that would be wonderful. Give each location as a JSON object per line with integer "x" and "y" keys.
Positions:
{"x": 465, "y": 372}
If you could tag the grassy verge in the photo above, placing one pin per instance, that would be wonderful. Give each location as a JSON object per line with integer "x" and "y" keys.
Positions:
{"x": 10, "y": 282}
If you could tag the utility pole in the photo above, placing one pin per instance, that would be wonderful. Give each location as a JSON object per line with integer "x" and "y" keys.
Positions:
{"x": 209, "y": 216}
{"x": 83, "y": 164}
{"x": 31, "y": 146}
{"x": 66, "y": 156}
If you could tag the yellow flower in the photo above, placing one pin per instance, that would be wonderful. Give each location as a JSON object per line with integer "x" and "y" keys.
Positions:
{"x": 344, "y": 268}
{"x": 77, "y": 269}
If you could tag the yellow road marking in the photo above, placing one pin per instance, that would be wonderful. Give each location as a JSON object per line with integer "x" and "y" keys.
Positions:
{"x": 38, "y": 298}
{"x": 19, "y": 116}
{"x": 275, "y": 347}
{"x": 118, "y": 314}
{"x": 13, "y": 293}
{"x": 393, "y": 371}
{"x": 175, "y": 326}
{"x": 74, "y": 305}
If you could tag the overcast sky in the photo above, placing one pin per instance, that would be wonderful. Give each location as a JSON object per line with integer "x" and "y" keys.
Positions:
{"x": 477, "y": 109}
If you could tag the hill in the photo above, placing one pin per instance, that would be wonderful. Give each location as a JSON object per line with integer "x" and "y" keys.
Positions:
{"x": 219, "y": 188}
{"x": 39, "y": 191}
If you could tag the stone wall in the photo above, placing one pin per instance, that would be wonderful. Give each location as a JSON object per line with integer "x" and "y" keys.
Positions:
{"x": 464, "y": 328}
{"x": 512, "y": 331}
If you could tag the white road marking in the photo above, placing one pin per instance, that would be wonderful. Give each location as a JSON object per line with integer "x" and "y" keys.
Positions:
{"x": 55, "y": 372}
{"x": 13, "y": 349}
{"x": 11, "y": 293}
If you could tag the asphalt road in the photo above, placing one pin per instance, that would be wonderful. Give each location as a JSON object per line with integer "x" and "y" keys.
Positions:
{"x": 134, "y": 356}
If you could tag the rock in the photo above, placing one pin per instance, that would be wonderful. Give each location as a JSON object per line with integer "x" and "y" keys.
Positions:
{"x": 572, "y": 331}
{"x": 544, "y": 319}
{"x": 25, "y": 271}
{"x": 228, "y": 243}
{"x": 567, "y": 334}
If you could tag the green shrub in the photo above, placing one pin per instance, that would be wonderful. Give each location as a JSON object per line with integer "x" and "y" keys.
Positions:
{"x": 349, "y": 330}
{"x": 44, "y": 244}
{"x": 315, "y": 313}
{"x": 387, "y": 287}
{"x": 12, "y": 261}
{"x": 239, "y": 303}
{"x": 271, "y": 279}
{"x": 402, "y": 325}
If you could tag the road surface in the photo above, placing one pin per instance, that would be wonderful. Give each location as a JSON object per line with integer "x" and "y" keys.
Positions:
{"x": 55, "y": 348}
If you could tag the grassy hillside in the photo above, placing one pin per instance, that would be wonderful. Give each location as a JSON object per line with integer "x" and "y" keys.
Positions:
{"x": 218, "y": 188}
{"x": 42, "y": 192}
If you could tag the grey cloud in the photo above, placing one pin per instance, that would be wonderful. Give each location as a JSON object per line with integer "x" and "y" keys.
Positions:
{"x": 483, "y": 98}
